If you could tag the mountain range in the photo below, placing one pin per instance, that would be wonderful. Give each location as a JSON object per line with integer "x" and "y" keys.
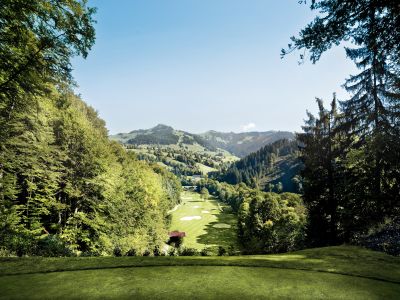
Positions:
{"x": 239, "y": 144}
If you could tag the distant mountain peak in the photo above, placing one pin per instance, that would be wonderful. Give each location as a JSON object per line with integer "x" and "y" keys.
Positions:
{"x": 239, "y": 144}
{"x": 162, "y": 127}
{"x": 243, "y": 143}
{"x": 162, "y": 134}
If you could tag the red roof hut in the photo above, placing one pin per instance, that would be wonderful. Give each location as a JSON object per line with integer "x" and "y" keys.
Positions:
{"x": 177, "y": 234}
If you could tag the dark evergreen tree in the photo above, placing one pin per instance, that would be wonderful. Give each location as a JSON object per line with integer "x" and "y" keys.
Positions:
{"x": 320, "y": 148}
{"x": 368, "y": 160}
{"x": 273, "y": 163}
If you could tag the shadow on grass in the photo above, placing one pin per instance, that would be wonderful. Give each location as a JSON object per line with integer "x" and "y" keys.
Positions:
{"x": 342, "y": 260}
{"x": 223, "y": 237}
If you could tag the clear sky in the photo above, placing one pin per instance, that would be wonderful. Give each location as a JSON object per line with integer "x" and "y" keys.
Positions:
{"x": 204, "y": 64}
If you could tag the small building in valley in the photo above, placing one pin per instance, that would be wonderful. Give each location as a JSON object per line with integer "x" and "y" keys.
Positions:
{"x": 177, "y": 234}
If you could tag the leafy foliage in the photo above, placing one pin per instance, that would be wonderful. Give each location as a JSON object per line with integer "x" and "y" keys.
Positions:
{"x": 64, "y": 187}
{"x": 268, "y": 222}
{"x": 70, "y": 181}
{"x": 351, "y": 153}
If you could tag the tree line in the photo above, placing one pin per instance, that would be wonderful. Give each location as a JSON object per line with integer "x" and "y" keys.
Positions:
{"x": 64, "y": 187}
{"x": 272, "y": 168}
{"x": 351, "y": 150}
{"x": 267, "y": 222}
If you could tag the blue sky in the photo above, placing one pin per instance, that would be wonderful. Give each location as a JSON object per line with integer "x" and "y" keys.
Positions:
{"x": 204, "y": 64}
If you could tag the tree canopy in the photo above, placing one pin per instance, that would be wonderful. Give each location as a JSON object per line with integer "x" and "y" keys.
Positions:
{"x": 351, "y": 151}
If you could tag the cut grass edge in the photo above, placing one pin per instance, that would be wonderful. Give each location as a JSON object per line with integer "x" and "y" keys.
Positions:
{"x": 341, "y": 260}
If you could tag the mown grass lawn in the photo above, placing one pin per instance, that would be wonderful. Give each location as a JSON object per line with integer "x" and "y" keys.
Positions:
{"x": 204, "y": 230}
{"x": 324, "y": 273}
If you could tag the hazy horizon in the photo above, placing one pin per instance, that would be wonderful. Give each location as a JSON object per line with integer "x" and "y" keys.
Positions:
{"x": 199, "y": 66}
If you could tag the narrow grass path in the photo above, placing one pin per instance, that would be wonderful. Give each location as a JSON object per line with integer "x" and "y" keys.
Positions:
{"x": 323, "y": 273}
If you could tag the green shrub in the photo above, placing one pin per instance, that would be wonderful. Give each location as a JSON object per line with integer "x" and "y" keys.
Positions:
{"x": 52, "y": 245}
{"x": 131, "y": 252}
{"x": 383, "y": 237}
{"x": 117, "y": 252}
{"x": 188, "y": 252}
{"x": 19, "y": 243}
{"x": 221, "y": 251}
{"x": 146, "y": 253}
{"x": 205, "y": 252}
{"x": 6, "y": 253}
{"x": 172, "y": 251}
{"x": 272, "y": 223}
{"x": 231, "y": 250}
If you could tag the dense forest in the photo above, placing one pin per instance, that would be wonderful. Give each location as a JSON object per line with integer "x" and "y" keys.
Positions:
{"x": 162, "y": 135}
{"x": 351, "y": 150}
{"x": 244, "y": 143}
{"x": 182, "y": 161}
{"x": 64, "y": 187}
{"x": 238, "y": 144}
{"x": 273, "y": 168}
{"x": 267, "y": 222}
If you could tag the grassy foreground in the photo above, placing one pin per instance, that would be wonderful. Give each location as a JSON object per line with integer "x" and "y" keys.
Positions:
{"x": 334, "y": 273}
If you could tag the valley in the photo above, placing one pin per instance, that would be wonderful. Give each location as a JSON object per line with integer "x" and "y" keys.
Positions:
{"x": 184, "y": 160}
{"x": 311, "y": 211}
{"x": 226, "y": 156}
{"x": 237, "y": 144}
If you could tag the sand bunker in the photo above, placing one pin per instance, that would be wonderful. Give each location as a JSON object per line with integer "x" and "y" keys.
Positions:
{"x": 196, "y": 206}
{"x": 222, "y": 225}
{"x": 205, "y": 212}
{"x": 190, "y": 218}
{"x": 172, "y": 210}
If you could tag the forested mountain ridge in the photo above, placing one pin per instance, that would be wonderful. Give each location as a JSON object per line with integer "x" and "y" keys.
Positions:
{"x": 238, "y": 144}
{"x": 275, "y": 167}
{"x": 244, "y": 143}
{"x": 185, "y": 153}
{"x": 162, "y": 135}
{"x": 180, "y": 152}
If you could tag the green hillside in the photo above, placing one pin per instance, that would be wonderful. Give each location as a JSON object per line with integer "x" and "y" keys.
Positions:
{"x": 184, "y": 160}
{"x": 185, "y": 153}
{"x": 274, "y": 167}
{"x": 162, "y": 135}
{"x": 182, "y": 153}
{"x": 334, "y": 272}
{"x": 239, "y": 144}
{"x": 244, "y": 143}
